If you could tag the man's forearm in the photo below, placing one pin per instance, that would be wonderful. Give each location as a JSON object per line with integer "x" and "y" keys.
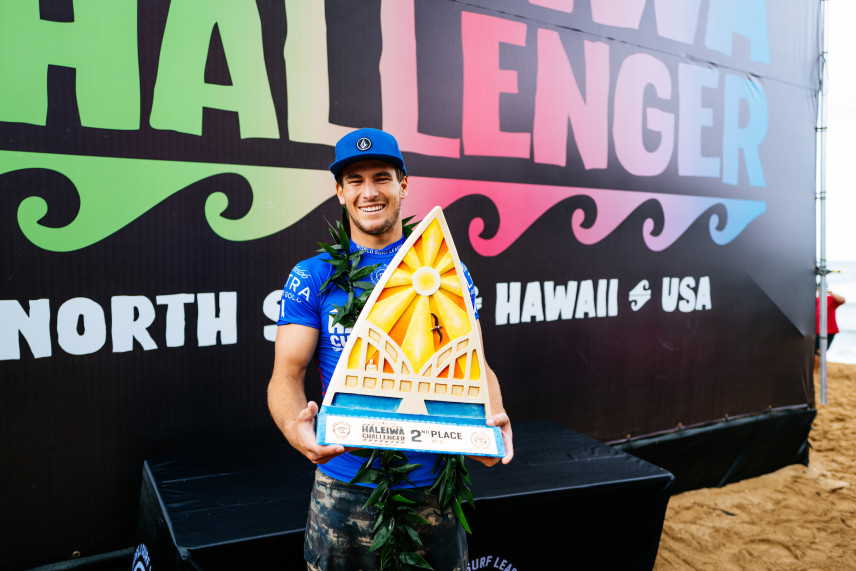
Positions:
{"x": 495, "y": 393}
{"x": 286, "y": 398}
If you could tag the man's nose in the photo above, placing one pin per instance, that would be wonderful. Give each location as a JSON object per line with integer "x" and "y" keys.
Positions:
{"x": 370, "y": 189}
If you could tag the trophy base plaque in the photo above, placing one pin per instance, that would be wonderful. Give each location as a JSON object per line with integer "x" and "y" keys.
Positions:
{"x": 437, "y": 434}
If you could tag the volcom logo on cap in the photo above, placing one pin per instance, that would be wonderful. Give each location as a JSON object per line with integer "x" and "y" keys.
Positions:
{"x": 364, "y": 144}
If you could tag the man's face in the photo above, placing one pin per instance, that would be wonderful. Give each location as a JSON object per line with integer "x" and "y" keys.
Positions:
{"x": 372, "y": 193}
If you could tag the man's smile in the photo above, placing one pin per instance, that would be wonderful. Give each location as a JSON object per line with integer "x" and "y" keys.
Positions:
{"x": 371, "y": 208}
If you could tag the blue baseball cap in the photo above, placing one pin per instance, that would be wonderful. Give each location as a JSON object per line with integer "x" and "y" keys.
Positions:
{"x": 365, "y": 144}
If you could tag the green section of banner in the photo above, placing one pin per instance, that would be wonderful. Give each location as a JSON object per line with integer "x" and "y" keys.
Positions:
{"x": 115, "y": 191}
{"x": 100, "y": 44}
{"x": 181, "y": 91}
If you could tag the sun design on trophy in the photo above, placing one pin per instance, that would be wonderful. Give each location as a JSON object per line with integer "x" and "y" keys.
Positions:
{"x": 415, "y": 348}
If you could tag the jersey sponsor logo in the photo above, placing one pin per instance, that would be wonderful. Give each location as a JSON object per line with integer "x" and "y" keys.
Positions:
{"x": 378, "y": 273}
{"x": 338, "y": 333}
{"x": 294, "y": 289}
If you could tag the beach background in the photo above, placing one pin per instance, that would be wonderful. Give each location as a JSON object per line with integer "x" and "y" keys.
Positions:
{"x": 840, "y": 232}
{"x": 843, "y": 282}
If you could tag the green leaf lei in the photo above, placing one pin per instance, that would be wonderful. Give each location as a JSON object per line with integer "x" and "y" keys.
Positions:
{"x": 393, "y": 531}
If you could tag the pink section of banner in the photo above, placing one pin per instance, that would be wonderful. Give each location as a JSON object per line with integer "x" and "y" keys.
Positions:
{"x": 520, "y": 205}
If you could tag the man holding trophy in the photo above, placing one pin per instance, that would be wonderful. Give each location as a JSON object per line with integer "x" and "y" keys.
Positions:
{"x": 371, "y": 182}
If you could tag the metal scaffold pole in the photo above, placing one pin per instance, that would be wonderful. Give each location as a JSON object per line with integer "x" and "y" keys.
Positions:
{"x": 821, "y": 267}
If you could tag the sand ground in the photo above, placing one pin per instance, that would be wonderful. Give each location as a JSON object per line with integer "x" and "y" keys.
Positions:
{"x": 795, "y": 518}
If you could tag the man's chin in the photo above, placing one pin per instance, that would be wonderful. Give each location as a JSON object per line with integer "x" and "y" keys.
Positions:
{"x": 376, "y": 228}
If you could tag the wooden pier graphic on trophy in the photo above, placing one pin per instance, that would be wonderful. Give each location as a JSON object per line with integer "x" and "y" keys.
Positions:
{"x": 412, "y": 374}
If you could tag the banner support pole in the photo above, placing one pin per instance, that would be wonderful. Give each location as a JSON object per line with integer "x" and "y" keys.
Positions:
{"x": 821, "y": 268}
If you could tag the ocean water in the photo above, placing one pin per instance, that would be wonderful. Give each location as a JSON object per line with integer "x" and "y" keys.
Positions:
{"x": 843, "y": 348}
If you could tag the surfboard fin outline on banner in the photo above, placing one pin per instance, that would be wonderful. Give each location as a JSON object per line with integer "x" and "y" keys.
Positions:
{"x": 412, "y": 374}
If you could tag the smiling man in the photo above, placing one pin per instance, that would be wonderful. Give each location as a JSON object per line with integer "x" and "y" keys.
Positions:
{"x": 371, "y": 182}
{"x": 371, "y": 192}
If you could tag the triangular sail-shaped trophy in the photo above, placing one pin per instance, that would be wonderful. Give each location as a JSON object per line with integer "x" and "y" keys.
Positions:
{"x": 412, "y": 374}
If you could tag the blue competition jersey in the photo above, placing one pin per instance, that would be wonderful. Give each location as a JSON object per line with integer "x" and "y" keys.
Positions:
{"x": 304, "y": 304}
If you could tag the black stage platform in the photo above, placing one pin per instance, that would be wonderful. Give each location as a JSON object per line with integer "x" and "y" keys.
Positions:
{"x": 565, "y": 501}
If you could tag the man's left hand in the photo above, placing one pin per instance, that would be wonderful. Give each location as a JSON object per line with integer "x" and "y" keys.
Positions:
{"x": 501, "y": 421}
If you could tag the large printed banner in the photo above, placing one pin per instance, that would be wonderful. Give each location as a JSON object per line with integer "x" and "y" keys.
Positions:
{"x": 630, "y": 182}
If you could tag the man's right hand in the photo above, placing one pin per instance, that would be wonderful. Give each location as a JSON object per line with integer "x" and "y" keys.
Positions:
{"x": 295, "y": 417}
{"x": 306, "y": 444}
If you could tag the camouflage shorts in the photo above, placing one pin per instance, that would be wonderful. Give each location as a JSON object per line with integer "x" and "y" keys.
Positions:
{"x": 338, "y": 531}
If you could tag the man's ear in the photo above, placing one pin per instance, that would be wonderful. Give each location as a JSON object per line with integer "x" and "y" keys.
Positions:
{"x": 340, "y": 194}
{"x": 404, "y": 187}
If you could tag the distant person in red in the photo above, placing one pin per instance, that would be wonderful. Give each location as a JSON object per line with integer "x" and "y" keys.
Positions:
{"x": 833, "y": 300}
